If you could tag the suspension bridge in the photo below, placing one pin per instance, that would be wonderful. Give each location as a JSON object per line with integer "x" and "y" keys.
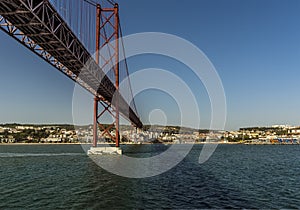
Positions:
{"x": 83, "y": 40}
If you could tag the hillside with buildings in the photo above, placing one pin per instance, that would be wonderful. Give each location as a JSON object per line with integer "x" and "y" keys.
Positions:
{"x": 18, "y": 133}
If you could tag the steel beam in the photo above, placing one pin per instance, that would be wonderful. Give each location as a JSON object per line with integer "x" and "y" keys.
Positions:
{"x": 38, "y": 26}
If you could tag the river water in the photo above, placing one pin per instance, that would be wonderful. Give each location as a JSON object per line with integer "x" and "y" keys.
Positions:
{"x": 236, "y": 176}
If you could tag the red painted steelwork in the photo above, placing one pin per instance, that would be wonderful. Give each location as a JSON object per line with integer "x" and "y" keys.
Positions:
{"x": 95, "y": 134}
{"x": 38, "y": 26}
{"x": 116, "y": 11}
{"x": 111, "y": 12}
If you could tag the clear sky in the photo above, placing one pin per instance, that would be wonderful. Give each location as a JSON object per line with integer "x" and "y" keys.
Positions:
{"x": 253, "y": 44}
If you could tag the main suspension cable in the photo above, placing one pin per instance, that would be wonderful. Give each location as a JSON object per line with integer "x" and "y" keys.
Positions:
{"x": 126, "y": 66}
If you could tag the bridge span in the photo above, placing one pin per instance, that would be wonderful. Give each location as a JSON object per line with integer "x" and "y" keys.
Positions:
{"x": 37, "y": 25}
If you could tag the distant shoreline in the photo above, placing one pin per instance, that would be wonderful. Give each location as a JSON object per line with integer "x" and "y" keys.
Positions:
{"x": 40, "y": 144}
{"x": 112, "y": 143}
{"x": 203, "y": 143}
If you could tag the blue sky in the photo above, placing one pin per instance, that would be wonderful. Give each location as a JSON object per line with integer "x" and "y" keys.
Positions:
{"x": 253, "y": 44}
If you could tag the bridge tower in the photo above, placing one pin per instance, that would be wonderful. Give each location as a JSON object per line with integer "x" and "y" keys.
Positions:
{"x": 107, "y": 18}
{"x": 46, "y": 28}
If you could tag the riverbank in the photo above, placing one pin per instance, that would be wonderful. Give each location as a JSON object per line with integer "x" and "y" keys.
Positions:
{"x": 146, "y": 143}
{"x": 3, "y": 144}
{"x": 167, "y": 143}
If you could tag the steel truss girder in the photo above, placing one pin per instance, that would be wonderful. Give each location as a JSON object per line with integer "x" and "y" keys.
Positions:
{"x": 38, "y": 26}
{"x": 31, "y": 45}
{"x": 49, "y": 26}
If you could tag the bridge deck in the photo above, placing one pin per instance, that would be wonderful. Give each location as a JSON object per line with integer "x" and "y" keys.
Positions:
{"x": 38, "y": 26}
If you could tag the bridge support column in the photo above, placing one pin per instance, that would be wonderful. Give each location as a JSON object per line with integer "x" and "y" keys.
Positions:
{"x": 117, "y": 66}
{"x": 95, "y": 128}
{"x": 107, "y": 17}
{"x": 105, "y": 129}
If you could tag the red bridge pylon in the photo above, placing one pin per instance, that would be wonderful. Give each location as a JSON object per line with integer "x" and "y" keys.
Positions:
{"x": 107, "y": 18}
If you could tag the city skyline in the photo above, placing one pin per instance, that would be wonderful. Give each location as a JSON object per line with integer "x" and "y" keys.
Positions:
{"x": 252, "y": 44}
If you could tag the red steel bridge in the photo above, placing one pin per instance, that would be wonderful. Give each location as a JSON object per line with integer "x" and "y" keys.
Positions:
{"x": 80, "y": 38}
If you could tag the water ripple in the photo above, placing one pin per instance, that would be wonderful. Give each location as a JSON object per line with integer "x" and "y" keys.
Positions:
{"x": 12, "y": 155}
{"x": 236, "y": 176}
